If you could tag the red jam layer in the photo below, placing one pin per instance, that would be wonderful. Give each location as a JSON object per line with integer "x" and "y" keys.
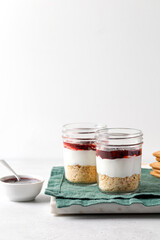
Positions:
{"x": 22, "y": 180}
{"x": 80, "y": 146}
{"x": 118, "y": 153}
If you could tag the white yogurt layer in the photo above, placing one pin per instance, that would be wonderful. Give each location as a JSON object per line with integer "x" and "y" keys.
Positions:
{"x": 119, "y": 167}
{"x": 79, "y": 157}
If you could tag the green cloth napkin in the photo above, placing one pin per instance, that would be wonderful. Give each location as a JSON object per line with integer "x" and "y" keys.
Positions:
{"x": 68, "y": 194}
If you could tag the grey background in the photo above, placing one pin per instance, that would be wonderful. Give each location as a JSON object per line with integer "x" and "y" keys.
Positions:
{"x": 72, "y": 61}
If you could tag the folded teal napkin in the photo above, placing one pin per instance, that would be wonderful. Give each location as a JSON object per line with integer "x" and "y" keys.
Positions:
{"x": 68, "y": 194}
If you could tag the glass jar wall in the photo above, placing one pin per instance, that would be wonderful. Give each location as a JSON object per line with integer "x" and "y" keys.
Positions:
{"x": 79, "y": 152}
{"x": 118, "y": 159}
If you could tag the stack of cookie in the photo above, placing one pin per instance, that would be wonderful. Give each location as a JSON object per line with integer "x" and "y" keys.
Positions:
{"x": 156, "y": 165}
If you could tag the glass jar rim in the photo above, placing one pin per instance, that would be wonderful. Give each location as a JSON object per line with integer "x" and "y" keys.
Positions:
{"x": 119, "y": 133}
{"x": 119, "y": 137}
{"x": 83, "y": 130}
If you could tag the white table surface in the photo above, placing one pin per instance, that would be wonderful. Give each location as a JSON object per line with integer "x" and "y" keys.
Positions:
{"x": 32, "y": 220}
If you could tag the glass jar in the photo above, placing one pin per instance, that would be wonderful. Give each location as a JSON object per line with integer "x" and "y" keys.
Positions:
{"x": 79, "y": 152}
{"x": 118, "y": 159}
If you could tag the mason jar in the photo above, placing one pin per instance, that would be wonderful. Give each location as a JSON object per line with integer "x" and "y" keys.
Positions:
{"x": 79, "y": 152}
{"x": 118, "y": 159}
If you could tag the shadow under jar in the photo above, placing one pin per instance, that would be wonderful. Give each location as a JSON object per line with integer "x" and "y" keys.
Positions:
{"x": 118, "y": 159}
{"x": 79, "y": 152}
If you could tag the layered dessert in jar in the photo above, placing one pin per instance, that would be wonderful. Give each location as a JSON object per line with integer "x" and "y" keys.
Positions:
{"x": 118, "y": 159}
{"x": 79, "y": 152}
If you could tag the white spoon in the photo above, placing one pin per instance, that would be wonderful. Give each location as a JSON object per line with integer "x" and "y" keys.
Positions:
{"x": 9, "y": 168}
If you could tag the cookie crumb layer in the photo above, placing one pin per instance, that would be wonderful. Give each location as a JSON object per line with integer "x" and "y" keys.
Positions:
{"x": 81, "y": 174}
{"x": 116, "y": 184}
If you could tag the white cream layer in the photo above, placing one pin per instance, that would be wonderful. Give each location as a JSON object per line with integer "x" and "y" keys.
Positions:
{"x": 79, "y": 157}
{"x": 119, "y": 167}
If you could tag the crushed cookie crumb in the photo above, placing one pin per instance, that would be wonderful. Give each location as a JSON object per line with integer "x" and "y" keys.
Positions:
{"x": 81, "y": 174}
{"x": 116, "y": 184}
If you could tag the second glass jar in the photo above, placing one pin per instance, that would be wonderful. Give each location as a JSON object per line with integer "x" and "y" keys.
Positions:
{"x": 118, "y": 159}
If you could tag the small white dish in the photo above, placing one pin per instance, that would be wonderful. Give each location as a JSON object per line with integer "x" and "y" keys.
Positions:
{"x": 22, "y": 192}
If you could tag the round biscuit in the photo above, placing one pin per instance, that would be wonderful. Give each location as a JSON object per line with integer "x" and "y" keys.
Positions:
{"x": 156, "y": 170}
{"x": 157, "y": 154}
{"x": 155, "y": 174}
{"x": 157, "y": 159}
{"x": 155, "y": 165}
